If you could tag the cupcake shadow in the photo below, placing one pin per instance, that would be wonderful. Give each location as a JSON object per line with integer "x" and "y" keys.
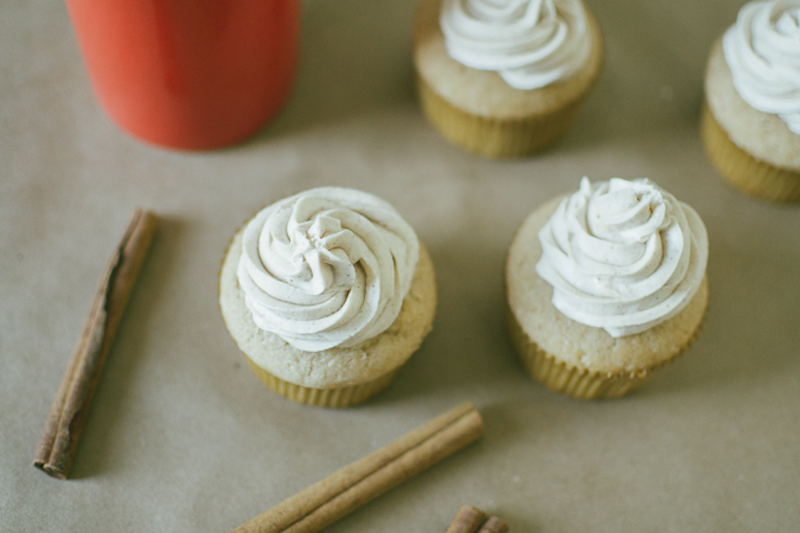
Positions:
{"x": 750, "y": 331}
{"x": 468, "y": 349}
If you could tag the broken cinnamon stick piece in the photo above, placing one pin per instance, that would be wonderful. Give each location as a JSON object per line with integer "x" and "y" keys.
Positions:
{"x": 494, "y": 525}
{"x": 69, "y": 410}
{"x": 358, "y": 483}
{"x": 468, "y": 520}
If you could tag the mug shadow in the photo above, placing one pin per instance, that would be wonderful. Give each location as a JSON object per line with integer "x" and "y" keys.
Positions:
{"x": 468, "y": 348}
{"x": 359, "y": 56}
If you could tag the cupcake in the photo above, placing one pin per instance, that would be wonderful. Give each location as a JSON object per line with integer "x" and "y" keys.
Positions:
{"x": 327, "y": 293}
{"x": 504, "y": 78}
{"x": 750, "y": 122}
{"x": 605, "y": 286}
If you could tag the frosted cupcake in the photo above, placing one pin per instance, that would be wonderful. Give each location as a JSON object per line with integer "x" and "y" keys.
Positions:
{"x": 751, "y": 121}
{"x": 605, "y": 286}
{"x": 327, "y": 293}
{"x": 504, "y": 78}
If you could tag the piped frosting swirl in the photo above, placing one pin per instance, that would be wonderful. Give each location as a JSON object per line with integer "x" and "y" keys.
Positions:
{"x": 622, "y": 255}
{"x": 762, "y": 50}
{"x": 530, "y": 43}
{"x": 328, "y": 267}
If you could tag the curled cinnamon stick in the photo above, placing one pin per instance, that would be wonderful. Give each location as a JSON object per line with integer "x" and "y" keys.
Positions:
{"x": 472, "y": 520}
{"x": 494, "y": 525}
{"x": 69, "y": 410}
{"x": 358, "y": 483}
{"x": 468, "y": 520}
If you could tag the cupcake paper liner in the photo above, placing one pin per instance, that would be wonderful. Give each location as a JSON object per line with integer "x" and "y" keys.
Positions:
{"x": 579, "y": 382}
{"x": 334, "y": 397}
{"x": 740, "y": 169}
{"x": 490, "y": 137}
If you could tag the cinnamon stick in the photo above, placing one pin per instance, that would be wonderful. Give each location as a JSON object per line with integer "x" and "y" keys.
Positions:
{"x": 356, "y": 484}
{"x": 494, "y": 524}
{"x": 472, "y": 520}
{"x": 468, "y": 520}
{"x": 68, "y": 413}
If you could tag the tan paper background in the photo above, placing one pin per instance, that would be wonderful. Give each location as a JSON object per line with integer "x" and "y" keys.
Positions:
{"x": 182, "y": 437}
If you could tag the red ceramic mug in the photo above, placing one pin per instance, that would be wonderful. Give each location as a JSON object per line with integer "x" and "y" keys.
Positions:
{"x": 189, "y": 74}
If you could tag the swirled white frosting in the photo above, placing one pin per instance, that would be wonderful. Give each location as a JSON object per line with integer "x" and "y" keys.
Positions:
{"x": 762, "y": 50}
{"x": 622, "y": 255}
{"x": 530, "y": 43}
{"x": 327, "y": 267}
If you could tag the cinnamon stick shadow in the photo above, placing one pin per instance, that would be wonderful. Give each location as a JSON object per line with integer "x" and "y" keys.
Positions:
{"x": 70, "y": 407}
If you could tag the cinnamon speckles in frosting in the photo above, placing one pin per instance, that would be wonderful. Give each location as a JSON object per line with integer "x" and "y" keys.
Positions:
{"x": 530, "y": 43}
{"x": 762, "y": 50}
{"x": 622, "y": 255}
{"x": 327, "y": 267}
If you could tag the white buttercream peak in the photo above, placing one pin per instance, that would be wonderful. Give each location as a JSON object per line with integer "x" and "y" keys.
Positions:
{"x": 762, "y": 50}
{"x": 327, "y": 267}
{"x": 530, "y": 43}
{"x": 622, "y": 255}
